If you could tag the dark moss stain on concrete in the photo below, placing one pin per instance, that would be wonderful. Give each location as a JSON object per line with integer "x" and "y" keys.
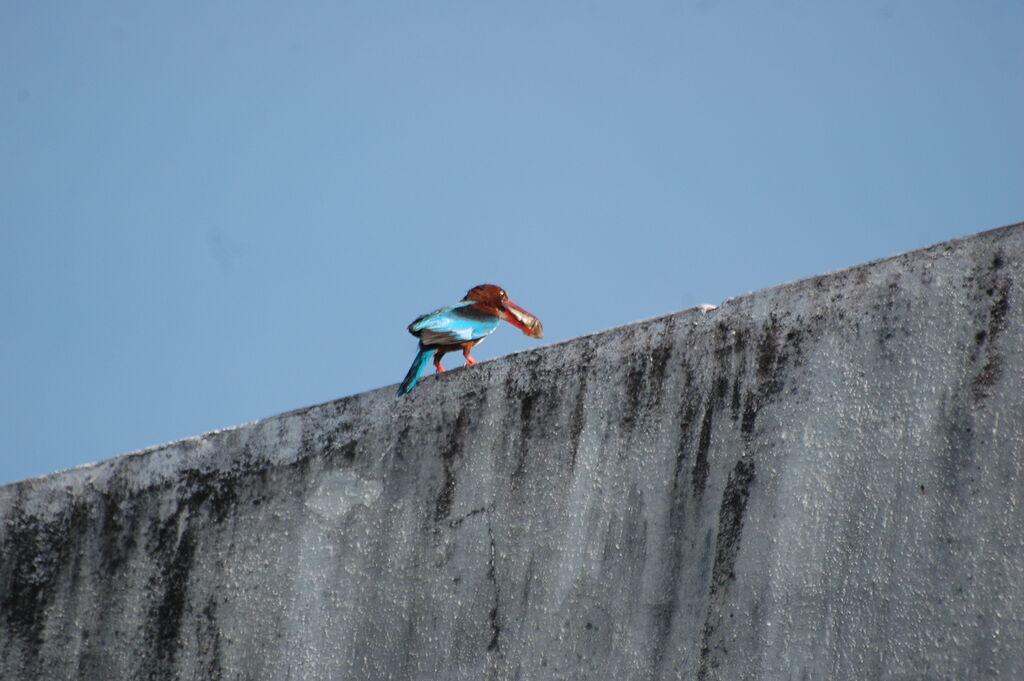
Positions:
{"x": 118, "y": 529}
{"x": 699, "y": 478}
{"x": 494, "y": 615}
{"x": 576, "y": 422}
{"x": 645, "y": 384}
{"x": 730, "y": 523}
{"x": 794, "y": 338}
{"x": 209, "y": 642}
{"x": 334, "y": 445}
{"x": 577, "y": 419}
{"x": 206, "y": 497}
{"x": 730, "y": 342}
{"x": 691, "y": 403}
{"x": 767, "y": 353}
{"x": 737, "y": 400}
{"x": 662, "y": 613}
{"x": 659, "y": 363}
{"x": 37, "y": 556}
{"x": 727, "y": 546}
{"x": 770, "y": 364}
{"x": 42, "y": 557}
{"x": 527, "y": 404}
{"x": 634, "y": 384}
{"x": 957, "y": 457}
{"x": 750, "y": 408}
{"x": 893, "y": 314}
{"x": 338, "y": 447}
{"x": 347, "y": 451}
{"x": 401, "y": 442}
{"x": 169, "y": 611}
{"x": 456, "y": 443}
{"x": 538, "y": 407}
{"x": 215, "y": 493}
{"x": 773, "y": 358}
{"x": 720, "y": 390}
{"x": 998, "y": 292}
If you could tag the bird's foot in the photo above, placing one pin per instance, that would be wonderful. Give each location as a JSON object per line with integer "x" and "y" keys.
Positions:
{"x": 470, "y": 360}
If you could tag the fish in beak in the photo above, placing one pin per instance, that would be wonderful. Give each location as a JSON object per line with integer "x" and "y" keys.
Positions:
{"x": 517, "y": 316}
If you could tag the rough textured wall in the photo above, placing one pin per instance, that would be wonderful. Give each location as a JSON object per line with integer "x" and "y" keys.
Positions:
{"x": 821, "y": 480}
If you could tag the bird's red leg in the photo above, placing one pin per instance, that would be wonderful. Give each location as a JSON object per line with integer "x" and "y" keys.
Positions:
{"x": 438, "y": 354}
{"x": 466, "y": 347}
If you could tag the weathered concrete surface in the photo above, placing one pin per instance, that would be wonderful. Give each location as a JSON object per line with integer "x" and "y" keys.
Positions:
{"x": 822, "y": 480}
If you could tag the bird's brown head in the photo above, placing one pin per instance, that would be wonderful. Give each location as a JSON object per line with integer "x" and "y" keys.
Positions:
{"x": 494, "y": 300}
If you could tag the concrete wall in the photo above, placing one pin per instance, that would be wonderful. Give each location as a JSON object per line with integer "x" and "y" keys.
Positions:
{"x": 821, "y": 480}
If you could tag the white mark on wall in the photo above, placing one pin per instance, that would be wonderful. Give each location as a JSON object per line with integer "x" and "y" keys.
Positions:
{"x": 338, "y": 492}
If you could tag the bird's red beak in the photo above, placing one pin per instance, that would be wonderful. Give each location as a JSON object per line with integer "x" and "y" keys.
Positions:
{"x": 517, "y": 316}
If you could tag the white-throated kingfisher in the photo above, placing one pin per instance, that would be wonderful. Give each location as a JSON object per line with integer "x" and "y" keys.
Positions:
{"x": 463, "y": 325}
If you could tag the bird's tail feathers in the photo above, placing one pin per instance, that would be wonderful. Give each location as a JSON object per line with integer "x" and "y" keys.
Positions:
{"x": 416, "y": 370}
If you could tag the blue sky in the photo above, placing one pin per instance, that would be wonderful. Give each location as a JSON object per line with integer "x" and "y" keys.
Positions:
{"x": 212, "y": 212}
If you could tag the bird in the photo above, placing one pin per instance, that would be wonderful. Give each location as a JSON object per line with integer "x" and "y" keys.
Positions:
{"x": 463, "y": 325}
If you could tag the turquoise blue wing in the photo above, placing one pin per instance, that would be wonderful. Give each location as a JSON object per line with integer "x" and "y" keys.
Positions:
{"x": 453, "y": 324}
